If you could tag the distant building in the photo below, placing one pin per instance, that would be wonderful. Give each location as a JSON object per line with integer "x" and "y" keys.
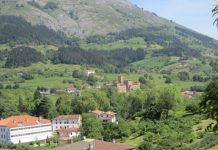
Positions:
{"x": 67, "y": 126}
{"x": 90, "y": 72}
{"x": 72, "y": 90}
{"x": 126, "y": 85}
{"x": 105, "y": 116}
{"x": 91, "y": 144}
{"x": 188, "y": 94}
{"x": 24, "y": 129}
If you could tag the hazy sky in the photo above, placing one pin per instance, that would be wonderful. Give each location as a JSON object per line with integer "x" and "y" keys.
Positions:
{"x": 195, "y": 14}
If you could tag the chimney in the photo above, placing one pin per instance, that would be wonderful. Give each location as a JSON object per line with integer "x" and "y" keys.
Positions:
{"x": 114, "y": 141}
{"x": 40, "y": 118}
{"x": 90, "y": 146}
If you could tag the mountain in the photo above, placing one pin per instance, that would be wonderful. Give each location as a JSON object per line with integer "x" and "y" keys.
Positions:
{"x": 83, "y": 17}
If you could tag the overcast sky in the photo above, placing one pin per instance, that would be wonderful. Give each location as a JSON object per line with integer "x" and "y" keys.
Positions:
{"x": 195, "y": 14}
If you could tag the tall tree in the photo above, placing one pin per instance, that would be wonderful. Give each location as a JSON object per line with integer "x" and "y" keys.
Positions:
{"x": 209, "y": 103}
{"x": 91, "y": 126}
{"x": 43, "y": 108}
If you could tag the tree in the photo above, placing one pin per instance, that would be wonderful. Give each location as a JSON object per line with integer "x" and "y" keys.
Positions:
{"x": 183, "y": 76}
{"x": 63, "y": 105}
{"x": 91, "y": 126}
{"x": 44, "y": 107}
{"x": 91, "y": 80}
{"x": 215, "y": 12}
{"x": 209, "y": 103}
{"x": 111, "y": 131}
{"x": 21, "y": 105}
{"x": 145, "y": 146}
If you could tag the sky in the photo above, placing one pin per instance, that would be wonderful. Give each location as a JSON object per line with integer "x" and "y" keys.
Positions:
{"x": 195, "y": 14}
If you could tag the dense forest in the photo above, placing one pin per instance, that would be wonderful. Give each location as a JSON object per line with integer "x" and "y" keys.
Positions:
{"x": 23, "y": 56}
{"x": 117, "y": 57}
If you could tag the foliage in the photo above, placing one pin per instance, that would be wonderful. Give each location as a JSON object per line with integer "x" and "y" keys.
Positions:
{"x": 23, "y": 56}
{"x": 209, "y": 102}
{"x": 183, "y": 76}
{"x": 215, "y": 12}
{"x": 91, "y": 126}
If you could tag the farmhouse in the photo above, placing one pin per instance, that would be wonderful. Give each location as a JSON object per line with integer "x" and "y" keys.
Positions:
{"x": 126, "y": 85}
{"x": 72, "y": 90}
{"x": 24, "y": 129}
{"x": 105, "y": 116}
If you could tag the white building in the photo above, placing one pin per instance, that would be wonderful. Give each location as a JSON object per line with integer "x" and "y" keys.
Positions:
{"x": 90, "y": 72}
{"x": 72, "y": 90}
{"x": 66, "y": 122}
{"x": 105, "y": 116}
{"x": 24, "y": 129}
{"x": 67, "y": 126}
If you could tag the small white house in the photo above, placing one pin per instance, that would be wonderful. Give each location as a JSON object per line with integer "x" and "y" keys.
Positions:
{"x": 72, "y": 90}
{"x": 105, "y": 116}
{"x": 24, "y": 129}
{"x": 90, "y": 72}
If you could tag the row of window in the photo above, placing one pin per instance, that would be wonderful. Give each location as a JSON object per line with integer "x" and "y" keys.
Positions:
{"x": 65, "y": 122}
{"x": 31, "y": 127}
{"x": 31, "y": 133}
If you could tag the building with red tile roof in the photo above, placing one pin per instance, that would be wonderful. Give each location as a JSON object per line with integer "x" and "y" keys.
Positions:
{"x": 24, "y": 129}
{"x": 105, "y": 116}
{"x": 67, "y": 125}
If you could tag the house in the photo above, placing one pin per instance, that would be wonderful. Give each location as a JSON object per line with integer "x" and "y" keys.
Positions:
{"x": 72, "y": 90}
{"x": 90, "y": 72}
{"x": 66, "y": 122}
{"x": 67, "y": 126}
{"x": 24, "y": 129}
{"x": 126, "y": 85}
{"x": 91, "y": 144}
{"x": 105, "y": 116}
{"x": 188, "y": 94}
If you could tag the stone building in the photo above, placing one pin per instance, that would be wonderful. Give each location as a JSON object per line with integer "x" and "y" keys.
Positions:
{"x": 126, "y": 85}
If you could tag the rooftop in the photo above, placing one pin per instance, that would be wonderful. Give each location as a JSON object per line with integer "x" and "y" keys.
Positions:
{"x": 64, "y": 117}
{"x": 69, "y": 130}
{"x": 99, "y": 112}
{"x": 97, "y": 145}
{"x": 23, "y": 120}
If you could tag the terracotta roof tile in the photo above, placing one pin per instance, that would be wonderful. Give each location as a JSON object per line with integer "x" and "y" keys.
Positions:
{"x": 63, "y": 117}
{"x": 68, "y": 130}
{"x": 23, "y": 120}
{"x": 65, "y": 138}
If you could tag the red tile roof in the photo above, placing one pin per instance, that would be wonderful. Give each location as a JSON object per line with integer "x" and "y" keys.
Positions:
{"x": 105, "y": 118}
{"x": 71, "y": 88}
{"x": 23, "y": 120}
{"x": 68, "y": 130}
{"x": 99, "y": 112}
{"x": 65, "y": 138}
{"x": 63, "y": 117}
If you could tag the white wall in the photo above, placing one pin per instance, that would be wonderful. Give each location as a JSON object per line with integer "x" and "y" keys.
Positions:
{"x": 65, "y": 123}
{"x": 30, "y": 133}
